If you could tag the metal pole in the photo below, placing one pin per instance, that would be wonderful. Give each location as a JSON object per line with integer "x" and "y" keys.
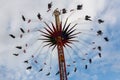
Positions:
{"x": 61, "y": 58}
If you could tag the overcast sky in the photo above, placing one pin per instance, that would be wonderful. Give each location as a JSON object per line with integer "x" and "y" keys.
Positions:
{"x": 13, "y": 67}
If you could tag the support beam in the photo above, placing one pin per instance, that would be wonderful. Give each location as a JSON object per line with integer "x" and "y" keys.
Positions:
{"x": 57, "y": 19}
{"x": 61, "y": 58}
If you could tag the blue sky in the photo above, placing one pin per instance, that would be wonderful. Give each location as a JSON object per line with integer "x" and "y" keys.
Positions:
{"x": 13, "y": 68}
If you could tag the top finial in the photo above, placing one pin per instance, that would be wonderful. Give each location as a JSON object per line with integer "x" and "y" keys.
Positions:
{"x": 56, "y": 12}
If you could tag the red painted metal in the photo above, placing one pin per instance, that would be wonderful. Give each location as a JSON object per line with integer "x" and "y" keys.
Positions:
{"x": 61, "y": 59}
{"x": 60, "y": 44}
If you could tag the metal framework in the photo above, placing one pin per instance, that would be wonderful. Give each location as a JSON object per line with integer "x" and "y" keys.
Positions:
{"x": 61, "y": 58}
{"x": 59, "y": 36}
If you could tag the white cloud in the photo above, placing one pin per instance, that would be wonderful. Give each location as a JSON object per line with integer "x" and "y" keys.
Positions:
{"x": 10, "y": 22}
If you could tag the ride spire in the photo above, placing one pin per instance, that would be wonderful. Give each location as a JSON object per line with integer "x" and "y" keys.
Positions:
{"x": 61, "y": 58}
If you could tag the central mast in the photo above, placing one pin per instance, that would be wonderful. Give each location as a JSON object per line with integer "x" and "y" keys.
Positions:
{"x": 61, "y": 58}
